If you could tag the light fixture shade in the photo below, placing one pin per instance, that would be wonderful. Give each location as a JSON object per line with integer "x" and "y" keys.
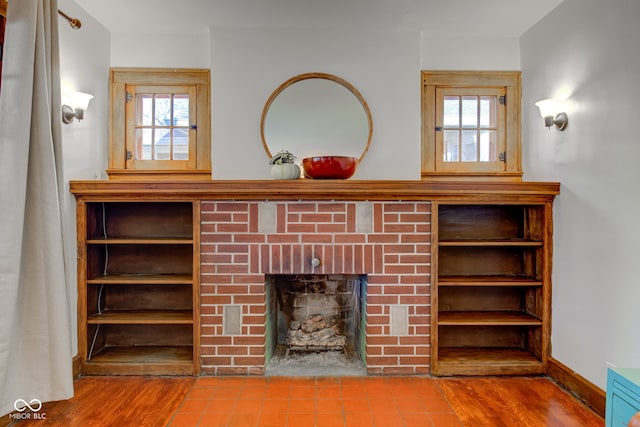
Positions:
{"x": 548, "y": 107}
{"x": 80, "y": 100}
{"x": 551, "y": 112}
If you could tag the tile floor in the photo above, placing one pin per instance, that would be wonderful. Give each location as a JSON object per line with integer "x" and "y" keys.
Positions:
{"x": 314, "y": 401}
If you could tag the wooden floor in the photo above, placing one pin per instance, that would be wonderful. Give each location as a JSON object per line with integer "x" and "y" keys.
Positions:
{"x": 309, "y": 401}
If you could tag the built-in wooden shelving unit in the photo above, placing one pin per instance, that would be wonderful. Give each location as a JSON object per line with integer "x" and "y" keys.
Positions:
{"x": 491, "y": 287}
{"x": 138, "y": 286}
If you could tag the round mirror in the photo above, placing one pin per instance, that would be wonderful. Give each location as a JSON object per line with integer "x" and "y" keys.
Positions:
{"x": 316, "y": 114}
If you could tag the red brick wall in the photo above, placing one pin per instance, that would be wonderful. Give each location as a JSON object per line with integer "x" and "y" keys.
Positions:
{"x": 236, "y": 255}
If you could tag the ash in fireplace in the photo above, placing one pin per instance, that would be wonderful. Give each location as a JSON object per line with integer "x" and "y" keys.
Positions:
{"x": 325, "y": 359}
{"x": 323, "y": 363}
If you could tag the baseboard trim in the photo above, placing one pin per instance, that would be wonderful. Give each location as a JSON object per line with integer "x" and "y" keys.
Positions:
{"x": 77, "y": 366}
{"x": 587, "y": 392}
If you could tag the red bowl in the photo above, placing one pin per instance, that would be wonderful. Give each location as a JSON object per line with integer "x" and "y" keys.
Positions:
{"x": 329, "y": 167}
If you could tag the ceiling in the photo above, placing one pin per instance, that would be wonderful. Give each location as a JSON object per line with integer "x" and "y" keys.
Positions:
{"x": 477, "y": 18}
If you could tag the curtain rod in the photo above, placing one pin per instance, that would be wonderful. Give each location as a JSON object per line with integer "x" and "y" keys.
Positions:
{"x": 73, "y": 22}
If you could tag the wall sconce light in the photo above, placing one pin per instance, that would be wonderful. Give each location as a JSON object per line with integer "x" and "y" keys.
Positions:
{"x": 79, "y": 102}
{"x": 550, "y": 112}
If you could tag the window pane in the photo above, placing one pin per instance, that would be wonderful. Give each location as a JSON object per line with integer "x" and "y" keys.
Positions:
{"x": 163, "y": 126}
{"x": 451, "y": 111}
{"x": 469, "y": 111}
{"x": 144, "y": 109}
{"x": 451, "y": 146}
{"x": 181, "y": 110}
{"x": 143, "y": 144}
{"x": 163, "y": 110}
{"x": 469, "y": 146}
{"x": 162, "y": 139}
{"x": 488, "y": 113}
{"x": 180, "y": 144}
{"x": 488, "y": 146}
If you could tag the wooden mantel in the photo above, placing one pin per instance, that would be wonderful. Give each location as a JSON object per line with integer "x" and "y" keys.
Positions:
{"x": 317, "y": 190}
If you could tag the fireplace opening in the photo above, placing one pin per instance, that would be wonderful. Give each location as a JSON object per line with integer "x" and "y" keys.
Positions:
{"x": 316, "y": 324}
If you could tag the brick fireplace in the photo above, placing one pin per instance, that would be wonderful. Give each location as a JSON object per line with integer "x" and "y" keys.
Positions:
{"x": 245, "y": 242}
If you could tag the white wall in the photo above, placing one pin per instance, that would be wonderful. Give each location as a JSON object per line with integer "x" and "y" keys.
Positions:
{"x": 84, "y": 67}
{"x": 586, "y": 50}
{"x": 247, "y": 65}
{"x": 160, "y": 50}
{"x": 470, "y": 53}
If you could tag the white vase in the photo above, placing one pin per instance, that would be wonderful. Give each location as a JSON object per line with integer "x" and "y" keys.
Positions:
{"x": 285, "y": 171}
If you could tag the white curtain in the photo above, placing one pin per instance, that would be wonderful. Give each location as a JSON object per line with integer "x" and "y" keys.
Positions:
{"x": 35, "y": 336}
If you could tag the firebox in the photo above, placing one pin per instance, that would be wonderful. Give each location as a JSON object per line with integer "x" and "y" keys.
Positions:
{"x": 315, "y": 324}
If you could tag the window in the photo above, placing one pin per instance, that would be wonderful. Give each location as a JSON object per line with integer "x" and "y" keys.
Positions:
{"x": 162, "y": 135}
{"x": 471, "y": 125}
{"x": 160, "y": 124}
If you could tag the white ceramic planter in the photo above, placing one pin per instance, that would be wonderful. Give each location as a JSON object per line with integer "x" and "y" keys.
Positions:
{"x": 285, "y": 171}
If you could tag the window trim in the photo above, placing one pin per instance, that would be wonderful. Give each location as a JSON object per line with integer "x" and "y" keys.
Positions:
{"x": 511, "y": 80}
{"x": 119, "y": 78}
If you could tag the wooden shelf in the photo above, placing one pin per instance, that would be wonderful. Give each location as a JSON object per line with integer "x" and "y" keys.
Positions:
{"x": 141, "y": 360}
{"x": 508, "y": 281}
{"x": 139, "y": 241}
{"x": 484, "y": 318}
{"x": 142, "y": 317}
{"x": 144, "y": 354}
{"x": 492, "y": 242}
{"x": 488, "y": 360}
{"x": 142, "y": 279}
{"x": 486, "y": 355}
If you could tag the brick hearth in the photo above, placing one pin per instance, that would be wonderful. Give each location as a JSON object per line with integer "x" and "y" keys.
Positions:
{"x": 241, "y": 242}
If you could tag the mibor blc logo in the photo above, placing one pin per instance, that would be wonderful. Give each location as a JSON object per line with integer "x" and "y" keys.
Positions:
{"x": 21, "y": 406}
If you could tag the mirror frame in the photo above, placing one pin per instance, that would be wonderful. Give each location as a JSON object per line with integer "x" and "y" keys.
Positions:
{"x": 306, "y": 76}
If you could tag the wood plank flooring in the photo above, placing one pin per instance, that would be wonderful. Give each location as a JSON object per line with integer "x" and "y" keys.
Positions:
{"x": 316, "y": 401}
{"x": 117, "y": 401}
{"x": 523, "y": 402}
